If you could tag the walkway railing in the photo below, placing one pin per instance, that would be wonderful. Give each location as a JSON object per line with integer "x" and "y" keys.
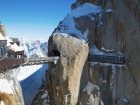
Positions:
{"x": 106, "y": 59}
{"x": 40, "y": 60}
{"x": 7, "y": 63}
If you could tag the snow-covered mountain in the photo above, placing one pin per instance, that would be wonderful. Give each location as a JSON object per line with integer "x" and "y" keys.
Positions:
{"x": 69, "y": 25}
{"x": 34, "y": 48}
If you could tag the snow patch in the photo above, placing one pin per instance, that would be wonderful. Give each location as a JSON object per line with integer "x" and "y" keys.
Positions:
{"x": 2, "y": 103}
{"x": 91, "y": 17}
{"x": 85, "y": 9}
{"x": 107, "y": 50}
{"x": 26, "y": 71}
{"x": 62, "y": 34}
{"x": 108, "y": 10}
{"x": 69, "y": 20}
{"x": 108, "y": 64}
{"x": 90, "y": 88}
{"x": 94, "y": 50}
{"x": 15, "y": 47}
{"x": 45, "y": 95}
{"x": 6, "y": 87}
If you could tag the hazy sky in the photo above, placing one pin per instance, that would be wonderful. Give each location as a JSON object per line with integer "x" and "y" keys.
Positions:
{"x": 34, "y": 19}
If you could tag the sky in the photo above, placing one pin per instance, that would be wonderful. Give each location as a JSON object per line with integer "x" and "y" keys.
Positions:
{"x": 33, "y": 19}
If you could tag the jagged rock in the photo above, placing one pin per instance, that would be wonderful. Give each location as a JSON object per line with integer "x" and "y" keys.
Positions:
{"x": 90, "y": 95}
{"x": 120, "y": 33}
{"x": 116, "y": 28}
{"x": 64, "y": 77}
{"x": 42, "y": 98}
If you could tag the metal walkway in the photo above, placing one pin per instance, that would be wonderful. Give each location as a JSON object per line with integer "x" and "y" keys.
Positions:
{"x": 106, "y": 59}
{"x": 40, "y": 60}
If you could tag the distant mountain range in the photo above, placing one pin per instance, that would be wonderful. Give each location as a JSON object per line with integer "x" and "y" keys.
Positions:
{"x": 36, "y": 48}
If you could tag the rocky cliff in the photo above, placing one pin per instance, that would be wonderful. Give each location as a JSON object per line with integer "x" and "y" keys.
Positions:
{"x": 110, "y": 26}
{"x": 64, "y": 77}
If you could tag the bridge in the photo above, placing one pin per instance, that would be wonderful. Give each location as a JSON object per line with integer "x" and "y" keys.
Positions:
{"x": 105, "y": 56}
{"x": 7, "y": 63}
{"x": 106, "y": 59}
{"x": 40, "y": 60}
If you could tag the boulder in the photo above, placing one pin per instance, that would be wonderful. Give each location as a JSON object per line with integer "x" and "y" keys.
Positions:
{"x": 64, "y": 77}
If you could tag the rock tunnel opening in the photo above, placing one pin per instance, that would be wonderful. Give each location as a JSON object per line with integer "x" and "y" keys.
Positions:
{"x": 56, "y": 53}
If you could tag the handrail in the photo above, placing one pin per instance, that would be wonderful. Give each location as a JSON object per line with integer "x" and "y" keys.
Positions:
{"x": 40, "y": 60}
{"x": 106, "y": 59}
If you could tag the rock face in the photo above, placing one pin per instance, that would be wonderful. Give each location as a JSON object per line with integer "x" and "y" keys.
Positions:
{"x": 64, "y": 77}
{"x": 120, "y": 32}
{"x": 115, "y": 28}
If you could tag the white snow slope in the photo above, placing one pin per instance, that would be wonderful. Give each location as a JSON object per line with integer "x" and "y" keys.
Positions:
{"x": 31, "y": 78}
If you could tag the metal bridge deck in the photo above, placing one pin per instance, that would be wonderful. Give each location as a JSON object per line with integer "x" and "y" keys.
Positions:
{"x": 106, "y": 59}
{"x": 40, "y": 60}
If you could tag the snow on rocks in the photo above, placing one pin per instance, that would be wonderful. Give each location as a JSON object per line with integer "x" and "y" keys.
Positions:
{"x": 69, "y": 26}
{"x": 15, "y": 47}
{"x": 109, "y": 10}
{"x": 90, "y": 88}
{"x": 85, "y": 9}
{"x": 42, "y": 98}
{"x": 6, "y": 87}
{"x": 94, "y": 50}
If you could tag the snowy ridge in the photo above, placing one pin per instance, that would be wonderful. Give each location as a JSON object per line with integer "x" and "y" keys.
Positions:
{"x": 69, "y": 26}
